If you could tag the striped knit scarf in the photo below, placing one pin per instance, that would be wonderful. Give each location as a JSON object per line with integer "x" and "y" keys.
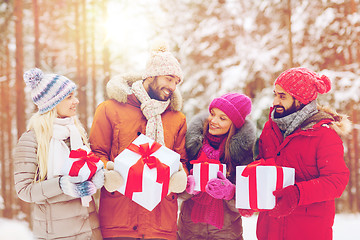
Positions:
{"x": 152, "y": 110}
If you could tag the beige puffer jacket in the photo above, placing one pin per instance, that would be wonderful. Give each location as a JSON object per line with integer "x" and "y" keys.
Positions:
{"x": 55, "y": 214}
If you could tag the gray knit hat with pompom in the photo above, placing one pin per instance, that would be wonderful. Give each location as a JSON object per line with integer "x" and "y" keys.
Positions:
{"x": 47, "y": 90}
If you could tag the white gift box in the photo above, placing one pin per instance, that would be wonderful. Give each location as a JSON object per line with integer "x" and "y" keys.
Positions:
{"x": 152, "y": 191}
{"x": 266, "y": 178}
{"x": 200, "y": 179}
{"x": 84, "y": 172}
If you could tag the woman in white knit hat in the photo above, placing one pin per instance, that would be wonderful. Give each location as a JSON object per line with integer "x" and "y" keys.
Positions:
{"x": 148, "y": 103}
{"x": 39, "y": 158}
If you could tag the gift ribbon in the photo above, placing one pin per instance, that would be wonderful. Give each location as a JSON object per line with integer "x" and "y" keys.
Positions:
{"x": 250, "y": 172}
{"x": 90, "y": 159}
{"x": 135, "y": 175}
{"x": 204, "y": 169}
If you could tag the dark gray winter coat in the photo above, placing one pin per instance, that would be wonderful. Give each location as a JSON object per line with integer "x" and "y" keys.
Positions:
{"x": 241, "y": 144}
{"x": 241, "y": 152}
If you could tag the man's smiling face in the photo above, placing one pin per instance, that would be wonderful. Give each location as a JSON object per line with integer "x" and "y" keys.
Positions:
{"x": 284, "y": 103}
{"x": 162, "y": 87}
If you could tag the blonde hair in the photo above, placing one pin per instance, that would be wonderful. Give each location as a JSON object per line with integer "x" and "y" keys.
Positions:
{"x": 43, "y": 124}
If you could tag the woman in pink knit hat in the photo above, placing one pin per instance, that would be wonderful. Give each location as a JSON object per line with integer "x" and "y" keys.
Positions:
{"x": 227, "y": 136}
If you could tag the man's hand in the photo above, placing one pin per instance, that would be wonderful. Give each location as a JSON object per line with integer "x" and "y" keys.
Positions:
{"x": 113, "y": 179}
{"x": 287, "y": 199}
{"x": 177, "y": 182}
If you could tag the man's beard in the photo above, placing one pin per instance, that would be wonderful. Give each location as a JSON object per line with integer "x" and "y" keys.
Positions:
{"x": 154, "y": 94}
{"x": 287, "y": 112}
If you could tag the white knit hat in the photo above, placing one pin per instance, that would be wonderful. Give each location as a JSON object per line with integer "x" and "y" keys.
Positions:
{"x": 162, "y": 62}
{"x": 47, "y": 90}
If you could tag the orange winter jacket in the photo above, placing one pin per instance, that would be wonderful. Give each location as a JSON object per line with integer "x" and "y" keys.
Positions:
{"x": 116, "y": 124}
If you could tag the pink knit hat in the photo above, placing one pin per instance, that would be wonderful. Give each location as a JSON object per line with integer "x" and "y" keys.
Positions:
{"x": 236, "y": 106}
{"x": 303, "y": 84}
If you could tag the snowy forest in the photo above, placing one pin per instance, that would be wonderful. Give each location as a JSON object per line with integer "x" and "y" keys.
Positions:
{"x": 222, "y": 46}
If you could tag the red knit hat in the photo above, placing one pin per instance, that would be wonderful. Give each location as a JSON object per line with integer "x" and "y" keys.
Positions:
{"x": 303, "y": 84}
{"x": 236, "y": 106}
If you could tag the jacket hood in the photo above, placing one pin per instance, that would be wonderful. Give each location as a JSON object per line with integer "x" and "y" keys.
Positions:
{"x": 241, "y": 144}
{"x": 119, "y": 87}
{"x": 339, "y": 122}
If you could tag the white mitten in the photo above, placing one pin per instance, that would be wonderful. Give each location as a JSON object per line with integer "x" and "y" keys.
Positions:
{"x": 99, "y": 178}
{"x": 113, "y": 179}
{"x": 178, "y": 181}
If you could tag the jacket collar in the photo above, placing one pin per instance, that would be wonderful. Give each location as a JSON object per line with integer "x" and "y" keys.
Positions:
{"x": 241, "y": 142}
{"x": 119, "y": 89}
{"x": 325, "y": 116}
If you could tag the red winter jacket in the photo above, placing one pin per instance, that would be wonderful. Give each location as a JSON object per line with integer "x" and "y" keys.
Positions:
{"x": 316, "y": 152}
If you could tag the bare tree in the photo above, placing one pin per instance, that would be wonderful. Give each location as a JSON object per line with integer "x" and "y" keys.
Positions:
{"x": 36, "y": 33}
{"x": 19, "y": 83}
{"x": 106, "y": 52}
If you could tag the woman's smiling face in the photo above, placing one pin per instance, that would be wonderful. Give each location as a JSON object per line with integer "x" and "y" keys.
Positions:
{"x": 67, "y": 107}
{"x": 219, "y": 122}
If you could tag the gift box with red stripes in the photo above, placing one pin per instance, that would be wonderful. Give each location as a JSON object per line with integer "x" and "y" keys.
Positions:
{"x": 205, "y": 169}
{"x": 146, "y": 167}
{"x": 256, "y": 182}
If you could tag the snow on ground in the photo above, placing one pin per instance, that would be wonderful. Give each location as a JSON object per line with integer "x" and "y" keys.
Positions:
{"x": 14, "y": 230}
{"x": 346, "y": 226}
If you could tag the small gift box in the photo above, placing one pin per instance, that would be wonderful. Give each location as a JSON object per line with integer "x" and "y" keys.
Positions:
{"x": 146, "y": 167}
{"x": 83, "y": 163}
{"x": 256, "y": 182}
{"x": 205, "y": 169}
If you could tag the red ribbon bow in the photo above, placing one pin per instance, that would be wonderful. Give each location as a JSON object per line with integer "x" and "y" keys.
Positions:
{"x": 250, "y": 171}
{"x": 204, "y": 168}
{"x": 90, "y": 159}
{"x": 135, "y": 175}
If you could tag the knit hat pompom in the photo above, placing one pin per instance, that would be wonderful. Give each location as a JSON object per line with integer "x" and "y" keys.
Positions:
{"x": 162, "y": 62}
{"x": 160, "y": 45}
{"x": 236, "y": 106}
{"x": 47, "y": 90}
{"x": 323, "y": 84}
{"x": 33, "y": 77}
{"x": 303, "y": 84}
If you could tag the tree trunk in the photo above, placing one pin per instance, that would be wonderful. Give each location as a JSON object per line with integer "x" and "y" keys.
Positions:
{"x": 19, "y": 84}
{"x": 291, "y": 58}
{"x": 106, "y": 52}
{"x": 2, "y": 138}
{"x": 93, "y": 58}
{"x": 36, "y": 34}
{"x": 20, "y": 95}
{"x": 83, "y": 86}
{"x": 8, "y": 112}
{"x": 356, "y": 154}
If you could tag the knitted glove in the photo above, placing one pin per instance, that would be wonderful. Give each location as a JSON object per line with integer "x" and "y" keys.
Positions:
{"x": 220, "y": 188}
{"x": 190, "y": 184}
{"x": 71, "y": 186}
{"x": 246, "y": 212}
{"x": 113, "y": 179}
{"x": 177, "y": 182}
{"x": 99, "y": 178}
{"x": 287, "y": 199}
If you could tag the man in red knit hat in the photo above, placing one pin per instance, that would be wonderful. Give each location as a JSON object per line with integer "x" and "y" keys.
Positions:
{"x": 302, "y": 135}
